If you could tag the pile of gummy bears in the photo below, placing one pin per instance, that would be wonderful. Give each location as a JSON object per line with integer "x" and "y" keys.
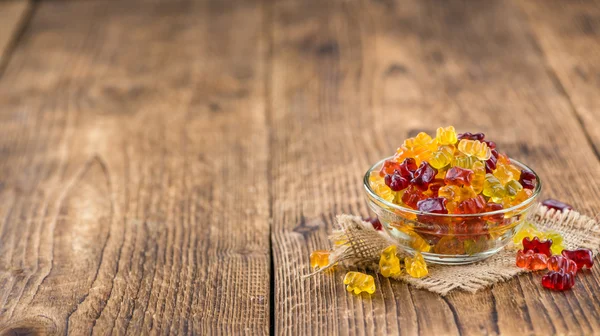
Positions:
{"x": 544, "y": 250}
{"x": 452, "y": 173}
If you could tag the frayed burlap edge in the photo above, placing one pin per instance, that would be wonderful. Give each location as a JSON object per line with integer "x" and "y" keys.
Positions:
{"x": 357, "y": 244}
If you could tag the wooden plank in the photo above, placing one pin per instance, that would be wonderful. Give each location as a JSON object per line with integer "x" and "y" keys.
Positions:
{"x": 12, "y": 15}
{"x": 134, "y": 193}
{"x": 349, "y": 82}
{"x": 568, "y": 34}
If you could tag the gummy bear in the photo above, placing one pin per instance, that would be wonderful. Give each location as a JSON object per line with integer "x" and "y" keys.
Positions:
{"x": 434, "y": 188}
{"x": 374, "y": 222}
{"x": 395, "y": 181}
{"x": 560, "y": 280}
{"x": 358, "y": 282}
{"x": 459, "y": 176}
{"x": 528, "y": 230}
{"x": 414, "y": 240}
{"x": 531, "y": 260}
{"x": 446, "y": 136}
{"x": 491, "y": 163}
{"x": 475, "y": 148}
{"x": 433, "y": 205}
{"x": 388, "y": 167}
{"x": 506, "y": 172}
{"x": 557, "y": 241}
{"x": 472, "y": 205}
{"x": 379, "y": 187}
{"x": 478, "y": 177}
{"x": 492, "y": 187}
{"x": 581, "y": 257}
{"x": 557, "y": 263}
{"x": 489, "y": 207}
{"x": 512, "y": 188}
{"x": 537, "y": 246}
{"x": 449, "y": 245}
{"x": 424, "y": 175}
{"x": 389, "y": 264}
{"x": 442, "y": 157}
{"x": 490, "y": 144}
{"x": 407, "y": 168}
{"x": 527, "y": 179}
{"x": 412, "y": 195}
{"x": 471, "y": 136}
{"x": 419, "y": 148}
{"x": 464, "y": 161}
{"x": 557, "y": 205}
{"x": 319, "y": 259}
{"x": 416, "y": 266}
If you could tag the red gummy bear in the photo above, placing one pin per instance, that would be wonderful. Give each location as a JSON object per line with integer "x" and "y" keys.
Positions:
{"x": 433, "y": 205}
{"x": 531, "y": 260}
{"x": 472, "y": 205}
{"x": 424, "y": 175}
{"x": 558, "y": 263}
{"x": 434, "y": 187}
{"x": 494, "y": 207}
{"x": 395, "y": 181}
{"x": 558, "y": 205}
{"x": 527, "y": 179}
{"x": 407, "y": 168}
{"x": 459, "y": 176}
{"x": 490, "y": 164}
{"x": 412, "y": 195}
{"x": 470, "y": 136}
{"x": 537, "y": 246}
{"x": 560, "y": 280}
{"x": 581, "y": 257}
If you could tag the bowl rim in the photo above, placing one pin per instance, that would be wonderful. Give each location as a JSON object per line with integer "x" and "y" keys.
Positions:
{"x": 536, "y": 191}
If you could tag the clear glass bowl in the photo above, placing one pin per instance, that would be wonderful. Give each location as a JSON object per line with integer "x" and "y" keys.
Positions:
{"x": 452, "y": 239}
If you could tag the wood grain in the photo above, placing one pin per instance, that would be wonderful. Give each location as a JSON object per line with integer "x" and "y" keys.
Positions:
{"x": 568, "y": 35}
{"x": 350, "y": 80}
{"x": 12, "y": 17}
{"x": 133, "y": 194}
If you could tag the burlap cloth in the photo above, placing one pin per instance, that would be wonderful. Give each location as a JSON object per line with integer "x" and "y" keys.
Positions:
{"x": 363, "y": 245}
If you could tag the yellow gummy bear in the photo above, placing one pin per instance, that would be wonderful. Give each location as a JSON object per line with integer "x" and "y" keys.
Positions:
{"x": 557, "y": 241}
{"x": 475, "y": 148}
{"x": 442, "y": 157}
{"x": 319, "y": 259}
{"x": 492, "y": 187}
{"x": 380, "y": 188}
{"x": 478, "y": 177}
{"x": 512, "y": 188}
{"x": 358, "y": 282}
{"x": 528, "y": 230}
{"x": 464, "y": 161}
{"x": 415, "y": 241}
{"x": 389, "y": 264}
{"x": 446, "y": 136}
{"x": 416, "y": 267}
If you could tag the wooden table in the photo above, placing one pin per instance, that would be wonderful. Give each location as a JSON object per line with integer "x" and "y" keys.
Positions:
{"x": 168, "y": 166}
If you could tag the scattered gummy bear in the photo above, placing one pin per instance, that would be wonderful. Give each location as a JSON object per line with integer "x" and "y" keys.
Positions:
{"x": 537, "y": 246}
{"x": 560, "y": 280}
{"x": 389, "y": 263}
{"x": 319, "y": 259}
{"x": 581, "y": 257}
{"x": 557, "y": 263}
{"x": 416, "y": 266}
{"x": 528, "y": 230}
{"x": 557, "y": 241}
{"x": 557, "y": 205}
{"x": 531, "y": 260}
{"x": 358, "y": 282}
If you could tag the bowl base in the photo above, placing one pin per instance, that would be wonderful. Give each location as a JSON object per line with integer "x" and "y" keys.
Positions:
{"x": 442, "y": 259}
